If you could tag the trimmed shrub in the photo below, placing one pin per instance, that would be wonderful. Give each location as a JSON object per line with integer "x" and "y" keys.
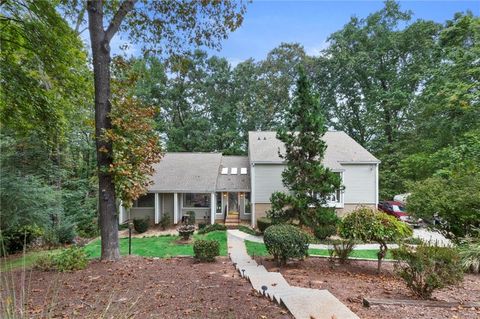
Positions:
{"x": 70, "y": 259}
{"x": 427, "y": 268}
{"x": 165, "y": 221}
{"x": 212, "y": 227}
{"x": 341, "y": 249}
{"x": 45, "y": 263}
{"x": 202, "y": 226}
{"x": 141, "y": 225}
{"x": 263, "y": 223}
{"x": 206, "y": 250}
{"x": 191, "y": 217}
{"x": 366, "y": 225}
{"x": 186, "y": 231}
{"x": 322, "y": 232}
{"x": 284, "y": 242}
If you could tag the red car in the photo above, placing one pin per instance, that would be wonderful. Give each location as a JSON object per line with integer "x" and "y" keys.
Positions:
{"x": 396, "y": 209}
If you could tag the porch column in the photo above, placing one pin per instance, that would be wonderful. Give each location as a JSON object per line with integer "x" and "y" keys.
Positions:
{"x": 175, "y": 208}
{"x": 213, "y": 208}
{"x": 252, "y": 196}
{"x": 121, "y": 217}
{"x": 157, "y": 208}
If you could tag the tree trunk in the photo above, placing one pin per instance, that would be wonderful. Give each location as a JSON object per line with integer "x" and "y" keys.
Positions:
{"x": 108, "y": 218}
{"x": 381, "y": 254}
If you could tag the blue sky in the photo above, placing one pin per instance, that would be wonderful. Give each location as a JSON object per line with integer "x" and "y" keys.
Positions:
{"x": 268, "y": 23}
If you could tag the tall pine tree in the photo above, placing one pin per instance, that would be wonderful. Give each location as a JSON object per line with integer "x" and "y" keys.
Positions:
{"x": 309, "y": 182}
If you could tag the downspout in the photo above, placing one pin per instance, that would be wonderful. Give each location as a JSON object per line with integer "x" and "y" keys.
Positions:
{"x": 376, "y": 185}
{"x": 252, "y": 195}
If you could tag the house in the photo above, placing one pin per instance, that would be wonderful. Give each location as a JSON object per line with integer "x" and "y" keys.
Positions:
{"x": 230, "y": 189}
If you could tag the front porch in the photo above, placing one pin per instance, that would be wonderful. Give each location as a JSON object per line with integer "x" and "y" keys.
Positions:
{"x": 230, "y": 208}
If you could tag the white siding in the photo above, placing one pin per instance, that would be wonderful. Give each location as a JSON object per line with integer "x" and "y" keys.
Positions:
{"x": 360, "y": 183}
{"x": 268, "y": 179}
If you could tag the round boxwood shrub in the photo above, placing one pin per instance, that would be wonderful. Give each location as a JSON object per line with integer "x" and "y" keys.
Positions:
{"x": 284, "y": 242}
{"x": 141, "y": 224}
{"x": 263, "y": 223}
{"x": 206, "y": 250}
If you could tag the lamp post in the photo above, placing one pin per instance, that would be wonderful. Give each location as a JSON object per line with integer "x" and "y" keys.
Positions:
{"x": 130, "y": 226}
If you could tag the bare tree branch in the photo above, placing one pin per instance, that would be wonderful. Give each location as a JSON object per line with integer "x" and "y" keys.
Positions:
{"x": 117, "y": 19}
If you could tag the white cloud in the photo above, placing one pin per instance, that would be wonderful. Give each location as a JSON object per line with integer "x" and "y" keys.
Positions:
{"x": 316, "y": 50}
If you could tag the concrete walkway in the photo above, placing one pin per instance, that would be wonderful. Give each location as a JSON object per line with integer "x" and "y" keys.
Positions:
{"x": 259, "y": 239}
{"x": 422, "y": 233}
{"x": 303, "y": 303}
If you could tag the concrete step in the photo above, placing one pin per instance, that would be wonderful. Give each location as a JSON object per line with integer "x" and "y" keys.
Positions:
{"x": 318, "y": 304}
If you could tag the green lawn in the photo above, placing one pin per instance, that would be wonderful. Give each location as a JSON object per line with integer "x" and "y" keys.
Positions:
{"x": 25, "y": 260}
{"x": 259, "y": 249}
{"x": 161, "y": 246}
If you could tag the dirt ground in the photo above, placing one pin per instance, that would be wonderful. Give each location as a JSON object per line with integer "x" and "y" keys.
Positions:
{"x": 351, "y": 283}
{"x": 137, "y": 287}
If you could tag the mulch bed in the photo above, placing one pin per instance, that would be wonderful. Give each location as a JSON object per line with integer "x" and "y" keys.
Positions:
{"x": 358, "y": 279}
{"x": 137, "y": 287}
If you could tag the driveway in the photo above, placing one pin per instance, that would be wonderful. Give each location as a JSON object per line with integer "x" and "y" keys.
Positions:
{"x": 431, "y": 237}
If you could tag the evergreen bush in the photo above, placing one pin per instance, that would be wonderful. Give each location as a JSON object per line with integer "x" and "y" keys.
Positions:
{"x": 263, "y": 223}
{"x": 141, "y": 225}
{"x": 213, "y": 227}
{"x": 285, "y": 242}
{"x": 206, "y": 250}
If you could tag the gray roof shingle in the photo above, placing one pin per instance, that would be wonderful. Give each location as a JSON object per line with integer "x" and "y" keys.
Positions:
{"x": 186, "y": 172}
{"x": 237, "y": 182}
{"x": 263, "y": 147}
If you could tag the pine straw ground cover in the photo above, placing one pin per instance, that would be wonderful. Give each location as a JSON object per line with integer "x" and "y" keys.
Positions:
{"x": 137, "y": 287}
{"x": 352, "y": 282}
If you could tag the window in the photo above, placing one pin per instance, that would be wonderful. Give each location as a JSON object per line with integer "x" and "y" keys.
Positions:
{"x": 233, "y": 171}
{"x": 243, "y": 171}
{"x": 398, "y": 208}
{"x": 224, "y": 170}
{"x": 196, "y": 200}
{"x": 248, "y": 204}
{"x": 335, "y": 197}
{"x": 219, "y": 203}
{"x": 147, "y": 200}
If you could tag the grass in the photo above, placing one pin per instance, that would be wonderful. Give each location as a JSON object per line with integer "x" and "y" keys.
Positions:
{"x": 259, "y": 249}
{"x": 160, "y": 246}
{"x": 26, "y": 260}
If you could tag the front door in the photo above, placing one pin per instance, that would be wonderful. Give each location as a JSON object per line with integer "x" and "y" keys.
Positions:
{"x": 233, "y": 203}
